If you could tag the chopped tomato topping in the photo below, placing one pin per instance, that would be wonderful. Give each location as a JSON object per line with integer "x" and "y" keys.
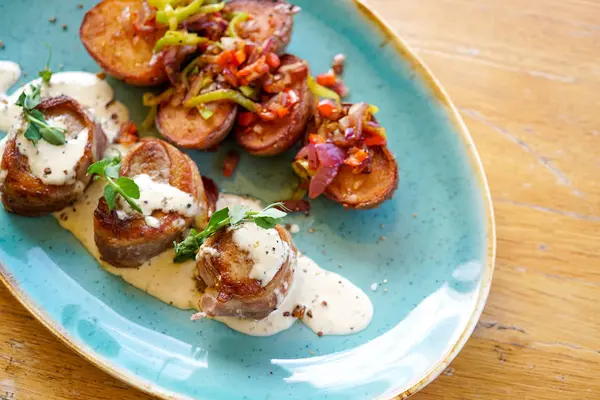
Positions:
{"x": 254, "y": 71}
{"x": 225, "y": 58}
{"x": 327, "y": 79}
{"x": 282, "y": 112}
{"x": 375, "y": 141}
{"x": 356, "y": 158}
{"x": 240, "y": 56}
{"x": 315, "y": 139}
{"x": 273, "y": 60}
{"x": 128, "y": 133}
{"x": 327, "y": 108}
{"x": 230, "y": 163}
{"x": 246, "y": 118}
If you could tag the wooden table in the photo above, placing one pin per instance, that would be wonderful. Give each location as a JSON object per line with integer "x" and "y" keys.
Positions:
{"x": 526, "y": 77}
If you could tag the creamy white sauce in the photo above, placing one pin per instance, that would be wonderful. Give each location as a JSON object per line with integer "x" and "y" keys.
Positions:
{"x": 10, "y": 72}
{"x": 347, "y": 310}
{"x": 158, "y": 196}
{"x": 266, "y": 249}
{"x": 337, "y": 306}
{"x": 160, "y": 277}
{"x": 53, "y": 165}
{"x": 91, "y": 92}
{"x": 231, "y": 200}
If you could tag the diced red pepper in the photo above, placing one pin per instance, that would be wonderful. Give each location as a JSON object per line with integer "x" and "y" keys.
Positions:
{"x": 315, "y": 139}
{"x": 230, "y": 163}
{"x": 255, "y": 66}
{"x": 273, "y": 60}
{"x": 375, "y": 141}
{"x": 225, "y": 58}
{"x": 356, "y": 158}
{"x": 246, "y": 118}
{"x": 240, "y": 56}
{"x": 282, "y": 112}
{"x": 328, "y": 79}
{"x": 128, "y": 134}
{"x": 327, "y": 108}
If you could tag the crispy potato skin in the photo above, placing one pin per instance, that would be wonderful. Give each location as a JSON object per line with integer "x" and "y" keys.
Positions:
{"x": 364, "y": 191}
{"x": 228, "y": 290}
{"x": 186, "y": 128}
{"x": 279, "y": 135}
{"x": 272, "y": 19}
{"x": 124, "y": 55}
{"x": 130, "y": 242}
{"x": 24, "y": 193}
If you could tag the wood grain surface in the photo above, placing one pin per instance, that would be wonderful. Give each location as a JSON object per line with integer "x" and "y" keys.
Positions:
{"x": 526, "y": 77}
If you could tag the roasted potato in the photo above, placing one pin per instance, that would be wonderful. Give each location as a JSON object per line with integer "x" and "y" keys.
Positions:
{"x": 223, "y": 273}
{"x": 270, "y": 20}
{"x": 27, "y": 194}
{"x": 108, "y": 33}
{"x": 130, "y": 242}
{"x": 268, "y": 138}
{"x": 363, "y": 191}
{"x": 186, "y": 128}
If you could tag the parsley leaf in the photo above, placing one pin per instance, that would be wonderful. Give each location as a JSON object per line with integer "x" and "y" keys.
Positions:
{"x": 237, "y": 214}
{"x": 108, "y": 169}
{"x": 38, "y": 126}
{"x": 234, "y": 217}
{"x": 46, "y": 73}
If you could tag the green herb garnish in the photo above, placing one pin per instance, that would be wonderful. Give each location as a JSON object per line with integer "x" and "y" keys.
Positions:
{"x": 108, "y": 169}
{"x": 38, "y": 126}
{"x": 46, "y": 73}
{"x": 234, "y": 217}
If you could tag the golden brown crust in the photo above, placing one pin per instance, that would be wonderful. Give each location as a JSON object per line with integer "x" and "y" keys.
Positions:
{"x": 273, "y": 19}
{"x": 130, "y": 242}
{"x": 186, "y": 128}
{"x": 277, "y": 136}
{"x": 26, "y": 194}
{"x": 228, "y": 289}
{"x": 363, "y": 191}
{"x": 108, "y": 34}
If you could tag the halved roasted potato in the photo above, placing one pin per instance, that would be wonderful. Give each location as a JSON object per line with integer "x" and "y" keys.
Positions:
{"x": 270, "y": 20}
{"x": 128, "y": 241}
{"x": 268, "y": 138}
{"x": 52, "y": 177}
{"x": 108, "y": 33}
{"x": 186, "y": 128}
{"x": 224, "y": 276}
{"x": 366, "y": 190}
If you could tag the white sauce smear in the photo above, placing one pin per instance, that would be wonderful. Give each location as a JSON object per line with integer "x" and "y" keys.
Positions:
{"x": 337, "y": 306}
{"x": 169, "y": 282}
{"x": 90, "y": 91}
{"x": 159, "y": 196}
{"x": 54, "y": 165}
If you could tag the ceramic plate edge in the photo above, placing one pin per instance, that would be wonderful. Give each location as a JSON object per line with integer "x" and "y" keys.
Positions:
{"x": 418, "y": 66}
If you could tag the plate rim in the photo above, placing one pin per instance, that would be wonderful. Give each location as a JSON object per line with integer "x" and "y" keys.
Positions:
{"x": 425, "y": 74}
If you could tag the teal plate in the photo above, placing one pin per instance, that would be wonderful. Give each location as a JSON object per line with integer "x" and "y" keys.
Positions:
{"x": 434, "y": 242}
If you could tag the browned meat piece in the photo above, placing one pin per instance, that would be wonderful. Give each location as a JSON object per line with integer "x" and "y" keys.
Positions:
{"x": 25, "y": 194}
{"x": 130, "y": 242}
{"x": 229, "y": 291}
